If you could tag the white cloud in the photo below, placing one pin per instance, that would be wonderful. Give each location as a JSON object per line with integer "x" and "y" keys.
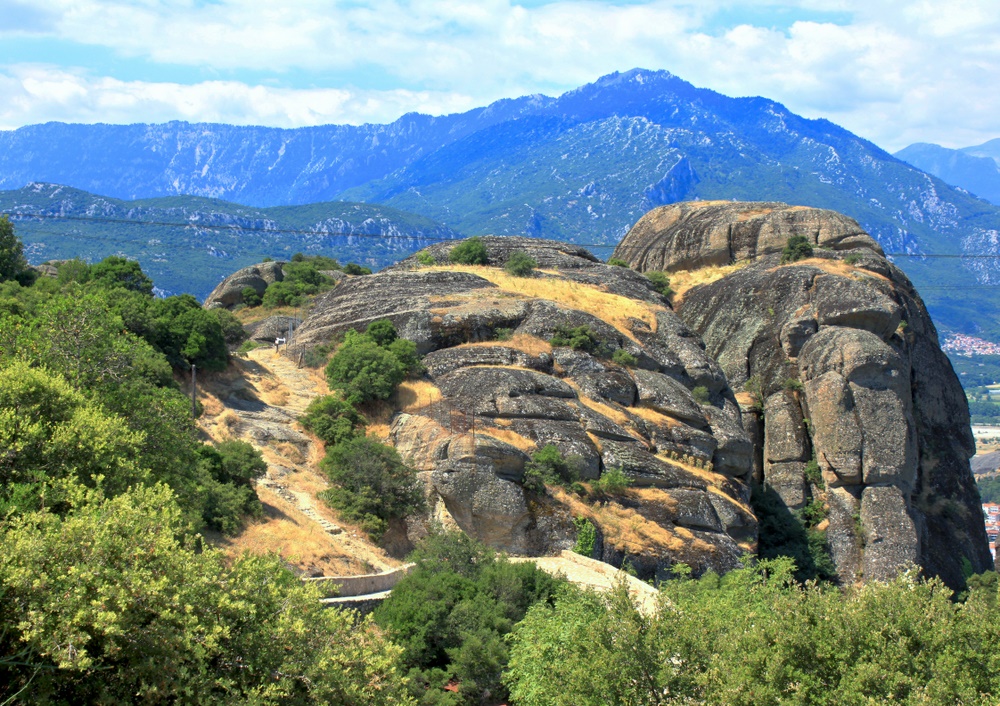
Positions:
{"x": 896, "y": 72}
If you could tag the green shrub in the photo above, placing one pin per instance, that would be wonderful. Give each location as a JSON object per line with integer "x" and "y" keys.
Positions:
{"x": 469, "y": 252}
{"x": 661, "y": 282}
{"x": 781, "y": 533}
{"x": 520, "y": 264}
{"x": 318, "y": 356}
{"x": 813, "y": 474}
{"x": 813, "y": 513}
{"x": 617, "y": 262}
{"x": 797, "y": 248}
{"x": 503, "y": 334}
{"x": 233, "y": 332}
{"x": 246, "y": 347}
{"x": 371, "y": 484}
{"x": 251, "y": 297}
{"x": 382, "y": 331}
{"x": 586, "y": 536}
{"x": 331, "y": 419}
{"x": 624, "y": 358}
{"x": 852, "y": 259}
{"x": 353, "y": 268}
{"x": 549, "y": 467}
{"x": 793, "y": 385}
{"x": 612, "y": 482}
{"x": 579, "y": 338}
{"x": 425, "y": 258}
{"x": 362, "y": 370}
{"x": 700, "y": 394}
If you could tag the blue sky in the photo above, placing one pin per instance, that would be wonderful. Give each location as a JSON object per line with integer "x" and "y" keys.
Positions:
{"x": 893, "y": 71}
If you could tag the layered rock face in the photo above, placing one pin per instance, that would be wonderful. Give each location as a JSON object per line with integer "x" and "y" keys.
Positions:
{"x": 841, "y": 365}
{"x": 229, "y": 291}
{"x": 496, "y": 390}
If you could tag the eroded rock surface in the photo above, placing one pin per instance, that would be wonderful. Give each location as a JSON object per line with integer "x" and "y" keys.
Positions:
{"x": 502, "y": 391}
{"x": 840, "y": 359}
{"x": 229, "y": 291}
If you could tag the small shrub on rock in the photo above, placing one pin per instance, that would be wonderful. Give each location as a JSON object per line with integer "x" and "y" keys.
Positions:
{"x": 700, "y": 394}
{"x": 612, "y": 482}
{"x": 586, "y": 536}
{"x": 797, "y": 248}
{"x": 469, "y": 252}
{"x": 579, "y": 338}
{"x": 353, "y": 268}
{"x": 617, "y": 262}
{"x": 425, "y": 258}
{"x": 624, "y": 358}
{"x": 520, "y": 264}
{"x": 661, "y": 282}
{"x": 361, "y": 370}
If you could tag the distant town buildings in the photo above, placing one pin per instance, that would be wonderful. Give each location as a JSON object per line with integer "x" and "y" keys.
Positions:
{"x": 968, "y": 346}
{"x": 991, "y": 513}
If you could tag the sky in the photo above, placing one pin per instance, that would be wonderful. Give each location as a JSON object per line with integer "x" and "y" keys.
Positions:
{"x": 892, "y": 71}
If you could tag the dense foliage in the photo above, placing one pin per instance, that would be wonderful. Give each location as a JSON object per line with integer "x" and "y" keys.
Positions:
{"x": 114, "y": 603}
{"x": 520, "y": 264}
{"x": 469, "y": 252}
{"x": 757, "y": 637}
{"x": 371, "y": 484}
{"x": 332, "y": 419}
{"x": 451, "y": 615}
{"x": 797, "y": 248}
{"x": 989, "y": 488}
{"x": 369, "y": 366}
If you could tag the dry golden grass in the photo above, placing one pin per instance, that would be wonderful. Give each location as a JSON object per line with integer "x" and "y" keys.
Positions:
{"x": 683, "y": 280}
{"x": 414, "y": 395}
{"x": 654, "y": 417}
{"x": 627, "y": 529}
{"x": 290, "y": 452}
{"x": 611, "y": 308}
{"x": 250, "y": 315}
{"x": 299, "y": 541}
{"x": 514, "y": 439}
{"x": 598, "y": 443}
{"x": 228, "y": 421}
{"x": 529, "y": 345}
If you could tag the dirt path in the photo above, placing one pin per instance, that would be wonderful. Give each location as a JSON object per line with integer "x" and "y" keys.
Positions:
{"x": 260, "y": 406}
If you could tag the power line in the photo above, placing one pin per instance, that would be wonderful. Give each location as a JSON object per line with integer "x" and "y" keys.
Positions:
{"x": 377, "y": 236}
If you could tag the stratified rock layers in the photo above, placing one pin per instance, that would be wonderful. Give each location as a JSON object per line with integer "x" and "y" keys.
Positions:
{"x": 844, "y": 362}
{"x": 495, "y": 390}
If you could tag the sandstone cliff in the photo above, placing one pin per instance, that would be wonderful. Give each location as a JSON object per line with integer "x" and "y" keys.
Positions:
{"x": 841, "y": 364}
{"x": 496, "y": 390}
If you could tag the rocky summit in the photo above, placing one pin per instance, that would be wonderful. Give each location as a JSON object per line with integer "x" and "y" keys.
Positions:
{"x": 496, "y": 390}
{"x": 847, "y": 397}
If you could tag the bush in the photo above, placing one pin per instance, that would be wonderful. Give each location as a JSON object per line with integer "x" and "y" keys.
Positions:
{"x": 469, "y": 252}
{"x": 362, "y": 370}
{"x": 318, "y": 356}
{"x": 353, "y": 268}
{"x": 549, "y": 467}
{"x": 579, "y": 338}
{"x": 382, "y": 331}
{"x": 586, "y": 536}
{"x": 660, "y": 282}
{"x": 113, "y": 272}
{"x": 612, "y": 482}
{"x": 617, "y": 262}
{"x": 520, "y": 264}
{"x": 700, "y": 394}
{"x": 425, "y": 258}
{"x": 781, "y": 533}
{"x": 331, "y": 419}
{"x": 813, "y": 474}
{"x": 371, "y": 484}
{"x": 251, "y": 297}
{"x": 797, "y": 248}
{"x": 503, "y": 334}
{"x": 793, "y": 385}
{"x": 624, "y": 358}
{"x": 233, "y": 332}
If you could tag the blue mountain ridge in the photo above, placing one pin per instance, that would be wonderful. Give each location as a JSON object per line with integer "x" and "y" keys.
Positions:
{"x": 580, "y": 167}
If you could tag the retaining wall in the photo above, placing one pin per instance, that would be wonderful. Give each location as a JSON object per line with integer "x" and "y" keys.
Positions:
{"x": 362, "y": 585}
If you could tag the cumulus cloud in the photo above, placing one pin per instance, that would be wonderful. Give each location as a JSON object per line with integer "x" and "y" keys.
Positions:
{"x": 895, "y": 72}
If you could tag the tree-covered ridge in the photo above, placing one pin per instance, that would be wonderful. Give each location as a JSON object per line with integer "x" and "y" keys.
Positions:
{"x": 188, "y": 243}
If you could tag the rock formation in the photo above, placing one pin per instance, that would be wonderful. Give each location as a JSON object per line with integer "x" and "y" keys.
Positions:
{"x": 496, "y": 390}
{"x": 229, "y": 292}
{"x": 840, "y": 365}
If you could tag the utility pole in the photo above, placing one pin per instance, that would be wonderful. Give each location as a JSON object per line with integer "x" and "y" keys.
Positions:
{"x": 194, "y": 390}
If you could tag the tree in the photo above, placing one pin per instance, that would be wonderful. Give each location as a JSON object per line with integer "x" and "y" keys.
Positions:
{"x": 469, "y": 252}
{"x": 113, "y": 272}
{"x": 520, "y": 264}
{"x": 362, "y": 370}
{"x": 371, "y": 484}
{"x": 114, "y": 603}
{"x": 797, "y": 248}
{"x": 332, "y": 419}
{"x": 12, "y": 261}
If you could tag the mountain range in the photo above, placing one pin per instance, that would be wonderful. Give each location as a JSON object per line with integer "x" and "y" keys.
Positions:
{"x": 581, "y": 167}
{"x": 975, "y": 169}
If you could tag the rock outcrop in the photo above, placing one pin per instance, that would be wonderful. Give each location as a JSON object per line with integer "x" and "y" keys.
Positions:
{"x": 496, "y": 390}
{"x": 838, "y": 356}
{"x": 229, "y": 292}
